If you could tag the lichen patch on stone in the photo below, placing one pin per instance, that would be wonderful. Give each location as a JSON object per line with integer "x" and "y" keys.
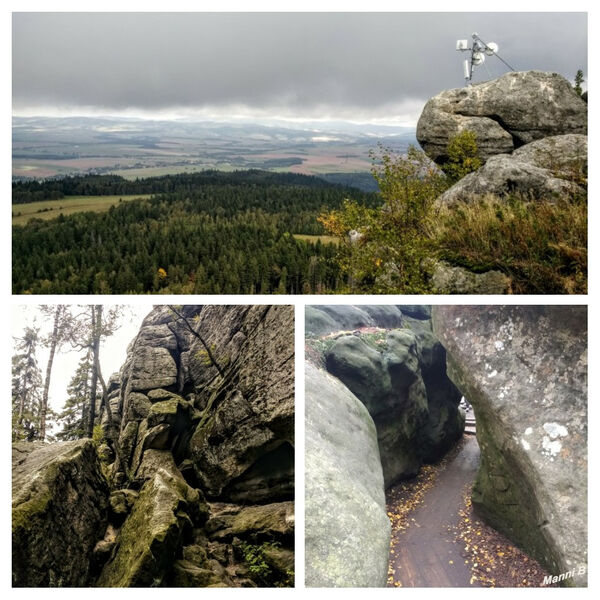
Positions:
{"x": 551, "y": 448}
{"x": 555, "y": 430}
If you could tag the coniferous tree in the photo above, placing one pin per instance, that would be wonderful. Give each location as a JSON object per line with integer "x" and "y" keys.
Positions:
{"x": 578, "y": 81}
{"x": 93, "y": 326}
{"x": 75, "y": 414}
{"x": 210, "y": 233}
{"x": 26, "y": 387}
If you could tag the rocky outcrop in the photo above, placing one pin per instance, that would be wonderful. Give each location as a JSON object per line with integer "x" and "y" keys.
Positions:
{"x": 504, "y": 113}
{"x": 242, "y": 447}
{"x": 347, "y": 529}
{"x": 414, "y": 423}
{"x": 524, "y": 369}
{"x": 554, "y": 167}
{"x": 399, "y": 374}
{"x": 322, "y": 320}
{"x": 59, "y": 511}
{"x": 161, "y": 517}
{"x": 564, "y": 156}
{"x": 208, "y": 402}
{"x": 204, "y": 407}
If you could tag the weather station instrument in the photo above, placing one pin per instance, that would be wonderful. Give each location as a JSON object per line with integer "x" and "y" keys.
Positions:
{"x": 479, "y": 50}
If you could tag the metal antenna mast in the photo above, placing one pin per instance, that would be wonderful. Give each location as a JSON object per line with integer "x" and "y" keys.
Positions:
{"x": 479, "y": 50}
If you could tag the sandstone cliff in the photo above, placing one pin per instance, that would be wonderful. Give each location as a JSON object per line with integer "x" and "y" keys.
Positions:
{"x": 204, "y": 495}
{"x": 396, "y": 367}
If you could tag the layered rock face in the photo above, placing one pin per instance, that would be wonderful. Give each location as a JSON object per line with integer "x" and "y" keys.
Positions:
{"x": 347, "y": 529}
{"x": 504, "y": 113}
{"x": 524, "y": 369}
{"x": 400, "y": 376}
{"x": 208, "y": 405}
{"x": 59, "y": 511}
{"x": 202, "y": 494}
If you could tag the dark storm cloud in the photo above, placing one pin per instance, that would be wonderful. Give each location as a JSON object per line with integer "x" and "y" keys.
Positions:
{"x": 290, "y": 64}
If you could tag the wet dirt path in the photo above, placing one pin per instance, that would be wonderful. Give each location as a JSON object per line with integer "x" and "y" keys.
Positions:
{"x": 424, "y": 552}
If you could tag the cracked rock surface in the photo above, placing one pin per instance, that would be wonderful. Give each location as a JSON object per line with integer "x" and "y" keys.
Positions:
{"x": 524, "y": 369}
{"x": 205, "y": 410}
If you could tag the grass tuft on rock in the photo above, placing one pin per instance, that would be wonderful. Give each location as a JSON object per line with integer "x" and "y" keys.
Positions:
{"x": 541, "y": 246}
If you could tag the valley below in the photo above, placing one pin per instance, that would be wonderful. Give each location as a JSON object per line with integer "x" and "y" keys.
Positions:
{"x": 134, "y": 148}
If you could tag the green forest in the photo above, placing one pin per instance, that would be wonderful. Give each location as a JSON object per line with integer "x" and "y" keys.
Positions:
{"x": 209, "y": 233}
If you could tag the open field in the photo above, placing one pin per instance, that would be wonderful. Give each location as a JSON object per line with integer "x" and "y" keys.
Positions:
{"x": 313, "y": 239}
{"x": 50, "y": 209}
{"x": 47, "y": 147}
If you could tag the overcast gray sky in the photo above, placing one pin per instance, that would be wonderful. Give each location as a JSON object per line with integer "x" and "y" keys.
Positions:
{"x": 350, "y": 66}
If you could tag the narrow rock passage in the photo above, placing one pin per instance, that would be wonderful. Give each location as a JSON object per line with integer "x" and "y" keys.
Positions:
{"x": 423, "y": 552}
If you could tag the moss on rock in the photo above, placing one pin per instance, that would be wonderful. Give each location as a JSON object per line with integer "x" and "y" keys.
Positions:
{"x": 151, "y": 535}
{"x": 60, "y": 500}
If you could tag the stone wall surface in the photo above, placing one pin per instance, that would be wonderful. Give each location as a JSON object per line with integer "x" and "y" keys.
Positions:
{"x": 524, "y": 369}
{"x": 347, "y": 528}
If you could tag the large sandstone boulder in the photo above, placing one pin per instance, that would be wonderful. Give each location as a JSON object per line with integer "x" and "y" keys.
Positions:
{"x": 321, "y": 320}
{"x": 447, "y": 279}
{"x": 347, "y": 530}
{"x": 59, "y": 512}
{"x": 543, "y": 170}
{"x": 504, "y": 113}
{"x": 401, "y": 379}
{"x": 564, "y": 156}
{"x": 524, "y": 369}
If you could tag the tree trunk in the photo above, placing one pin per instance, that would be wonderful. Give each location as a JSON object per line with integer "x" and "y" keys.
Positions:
{"x": 24, "y": 391}
{"x": 22, "y": 401}
{"x": 111, "y": 433}
{"x": 86, "y": 393}
{"x": 94, "y": 384}
{"x": 53, "y": 343}
{"x": 124, "y": 394}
